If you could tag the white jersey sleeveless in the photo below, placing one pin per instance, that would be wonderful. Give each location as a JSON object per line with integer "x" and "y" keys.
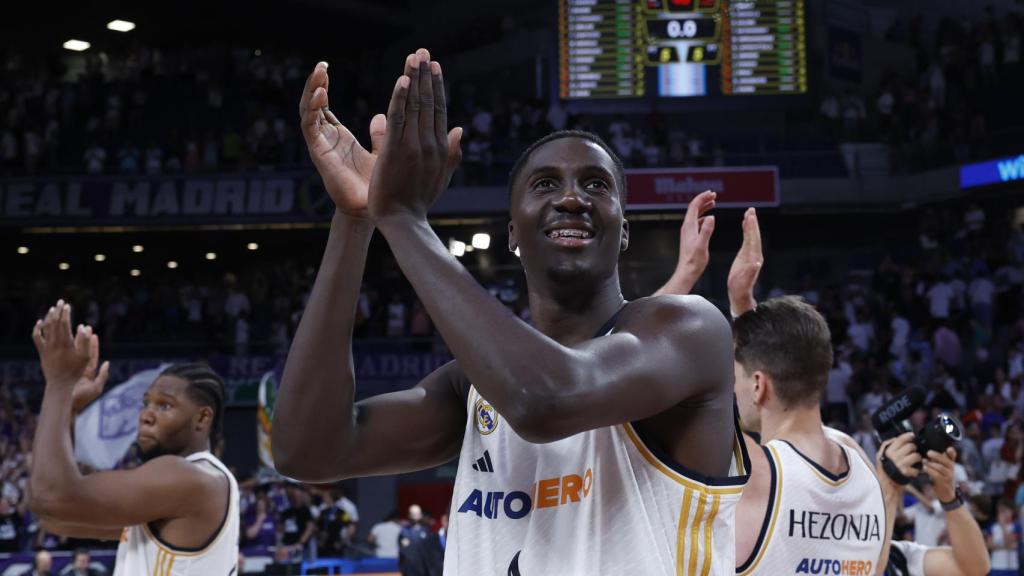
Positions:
{"x": 142, "y": 553}
{"x": 818, "y": 522}
{"x": 598, "y": 502}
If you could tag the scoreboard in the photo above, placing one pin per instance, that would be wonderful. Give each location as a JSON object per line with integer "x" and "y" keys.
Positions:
{"x": 672, "y": 48}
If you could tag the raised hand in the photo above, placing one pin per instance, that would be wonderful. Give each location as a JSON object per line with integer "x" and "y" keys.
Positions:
{"x": 343, "y": 163}
{"x": 694, "y": 238}
{"x": 419, "y": 154}
{"x": 940, "y": 467}
{"x": 70, "y": 360}
{"x": 746, "y": 266}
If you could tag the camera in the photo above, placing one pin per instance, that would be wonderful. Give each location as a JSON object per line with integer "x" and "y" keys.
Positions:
{"x": 892, "y": 419}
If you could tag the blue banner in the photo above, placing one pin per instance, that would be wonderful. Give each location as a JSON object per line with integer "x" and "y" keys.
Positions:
{"x": 992, "y": 172}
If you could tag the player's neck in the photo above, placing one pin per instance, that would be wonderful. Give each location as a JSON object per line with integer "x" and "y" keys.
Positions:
{"x": 197, "y": 445}
{"x": 573, "y": 316}
{"x": 800, "y": 427}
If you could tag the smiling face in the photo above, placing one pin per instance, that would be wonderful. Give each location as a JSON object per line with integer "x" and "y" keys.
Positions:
{"x": 566, "y": 209}
{"x": 170, "y": 418}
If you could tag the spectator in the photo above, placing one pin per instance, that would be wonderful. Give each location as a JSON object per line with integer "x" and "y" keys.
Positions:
{"x": 1004, "y": 540}
{"x": 926, "y": 514}
{"x": 336, "y": 527}
{"x": 297, "y": 526}
{"x": 43, "y": 565}
{"x": 82, "y": 565}
{"x": 384, "y": 536}
{"x": 425, "y": 557}
{"x": 415, "y": 528}
{"x": 10, "y": 521}
{"x": 260, "y": 533}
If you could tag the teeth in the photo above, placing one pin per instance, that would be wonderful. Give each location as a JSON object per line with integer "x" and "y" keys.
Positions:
{"x": 569, "y": 233}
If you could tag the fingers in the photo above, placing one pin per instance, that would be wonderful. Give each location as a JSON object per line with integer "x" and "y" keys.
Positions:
{"x": 454, "y": 149}
{"x": 63, "y": 323}
{"x": 37, "y": 336}
{"x": 751, "y": 231}
{"x": 412, "y": 103}
{"x": 378, "y": 131}
{"x": 427, "y": 135}
{"x": 316, "y": 79}
{"x": 707, "y": 227}
{"x": 396, "y": 111}
{"x": 81, "y": 342}
{"x": 94, "y": 353}
{"x": 101, "y": 378}
{"x": 440, "y": 104}
{"x": 698, "y": 206}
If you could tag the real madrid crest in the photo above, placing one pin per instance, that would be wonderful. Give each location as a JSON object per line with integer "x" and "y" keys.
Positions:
{"x": 486, "y": 417}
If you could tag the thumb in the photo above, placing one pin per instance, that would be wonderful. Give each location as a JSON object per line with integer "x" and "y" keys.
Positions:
{"x": 454, "y": 148}
{"x": 378, "y": 130}
{"x": 101, "y": 379}
{"x": 706, "y": 229}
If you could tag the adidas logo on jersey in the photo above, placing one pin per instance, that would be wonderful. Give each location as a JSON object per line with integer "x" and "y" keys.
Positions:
{"x": 484, "y": 464}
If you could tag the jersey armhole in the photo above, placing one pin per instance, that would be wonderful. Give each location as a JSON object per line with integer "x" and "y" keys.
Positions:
{"x": 770, "y": 512}
{"x": 153, "y": 533}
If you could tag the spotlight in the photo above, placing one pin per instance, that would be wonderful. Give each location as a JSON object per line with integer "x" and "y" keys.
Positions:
{"x": 481, "y": 241}
{"x": 252, "y": 246}
{"x": 211, "y": 255}
{"x": 120, "y": 26}
{"x": 456, "y": 247}
{"x": 135, "y": 272}
{"x": 64, "y": 266}
{"x": 99, "y": 257}
{"x": 77, "y": 45}
{"x": 22, "y": 249}
{"x": 172, "y": 264}
{"x": 137, "y": 248}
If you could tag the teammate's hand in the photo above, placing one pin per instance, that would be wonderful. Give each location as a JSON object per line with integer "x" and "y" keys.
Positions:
{"x": 419, "y": 155}
{"x": 70, "y": 360}
{"x": 940, "y": 467}
{"x": 695, "y": 236}
{"x": 746, "y": 266}
{"x": 903, "y": 453}
{"x": 343, "y": 163}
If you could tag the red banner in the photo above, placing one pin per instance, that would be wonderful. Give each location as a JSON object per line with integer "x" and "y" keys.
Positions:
{"x": 671, "y": 188}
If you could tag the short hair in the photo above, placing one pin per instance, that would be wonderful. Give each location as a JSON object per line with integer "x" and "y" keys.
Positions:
{"x": 81, "y": 552}
{"x": 787, "y": 339}
{"x": 619, "y": 170}
{"x": 205, "y": 387}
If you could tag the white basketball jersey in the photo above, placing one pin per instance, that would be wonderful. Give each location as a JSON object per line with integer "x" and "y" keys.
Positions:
{"x": 818, "y": 522}
{"x": 598, "y": 502}
{"x": 141, "y": 553}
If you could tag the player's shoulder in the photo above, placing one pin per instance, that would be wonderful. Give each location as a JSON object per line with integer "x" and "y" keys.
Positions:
{"x": 844, "y": 439}
{"x": 195, "y": 474}
{"x": 673, "y": 312}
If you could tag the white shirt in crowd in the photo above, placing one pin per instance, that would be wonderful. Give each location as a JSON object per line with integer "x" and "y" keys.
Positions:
{"x": 838, "y": 379}
{"x": 1002, "y": 559}
{"x": 939, "y": 297}
{"x": 900, "y": 333}
{"x": 929, "y": 522}
{"x": 386, "y": 535}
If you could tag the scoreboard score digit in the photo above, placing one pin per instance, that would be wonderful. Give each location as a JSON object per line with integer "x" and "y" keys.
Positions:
{"x": 679, "y": 48}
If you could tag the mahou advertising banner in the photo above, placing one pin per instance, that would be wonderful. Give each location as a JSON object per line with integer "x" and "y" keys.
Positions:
{"x": 669, "y": 188}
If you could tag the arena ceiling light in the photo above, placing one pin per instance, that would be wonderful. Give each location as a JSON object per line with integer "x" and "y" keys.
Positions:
{"x": 77, "y": 45}
{"x": 120, "y": 25}
{"x": 481, "y": 241}
{"x": 211, "y": 255}
{"x": 64, "y": 266}
{"x": 172, "y": 264}
{"x": 456, "y": 247}
{"x": 135, "y": 272}
{"x": 137, "y": 248}
{"x": 22, "y": 249}
{"x": 100, "y": 257}
{"x": 252, "y": 246}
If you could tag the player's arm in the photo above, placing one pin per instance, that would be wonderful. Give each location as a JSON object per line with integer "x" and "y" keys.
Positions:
{"x": 665, "y": 350}
{"x": 753, "y": 504}
{"x": 79, "y": 530}
{"x": 694, "y": 236}
{"x": 967, "y": 554}
{"x": 318, "y": 435}
{"x": 167, "y": 487}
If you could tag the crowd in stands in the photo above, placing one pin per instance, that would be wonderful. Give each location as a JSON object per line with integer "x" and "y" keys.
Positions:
{"x": 952, "y": 112}
{"x": 147, "y": 111}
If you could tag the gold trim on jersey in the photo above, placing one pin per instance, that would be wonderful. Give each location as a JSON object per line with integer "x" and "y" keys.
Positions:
{"x": 697, "y": 520}
{"x": 684, "y": 516}
{"x": 776, "y": 463}
{"x": 826, "y": 479}
{"x": 708, "y": 529}
{"x": 735, "y": 484}
{"x": 164, "y": 563}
